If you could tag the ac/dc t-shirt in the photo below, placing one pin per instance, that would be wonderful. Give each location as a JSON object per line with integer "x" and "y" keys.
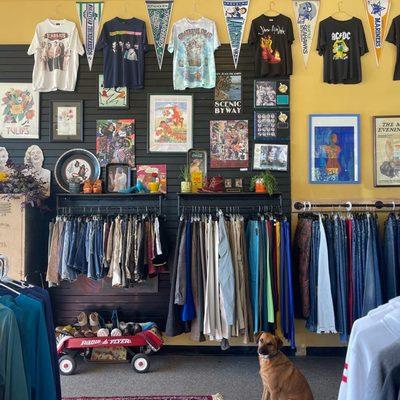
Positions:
{"x": 394, "y": 37}
{"x": 56, "y": 46}
{"x": 342, "y": 43}
{"x": 272, "y": 39}
{"x": 124, "y": 42}
{"x": 193, "y": 43}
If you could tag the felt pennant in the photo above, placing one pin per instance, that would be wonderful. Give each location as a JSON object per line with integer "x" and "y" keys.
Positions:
{"x": 159, "y": 12}
{"x": 89, "y": 17}
{"x": 306, "y": 13}
{"x": 378, "y": 16}
{"x": 235, "y": 12}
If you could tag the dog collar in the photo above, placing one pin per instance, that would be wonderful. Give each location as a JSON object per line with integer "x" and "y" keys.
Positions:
{"x": 269, "y": 356}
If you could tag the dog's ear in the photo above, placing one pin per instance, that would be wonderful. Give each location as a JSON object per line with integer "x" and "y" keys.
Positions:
{"x": 257, "y": 336}
{"x": 279, "y": 343}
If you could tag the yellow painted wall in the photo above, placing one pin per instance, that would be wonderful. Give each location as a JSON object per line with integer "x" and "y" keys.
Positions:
{"x": 376, "y": 95}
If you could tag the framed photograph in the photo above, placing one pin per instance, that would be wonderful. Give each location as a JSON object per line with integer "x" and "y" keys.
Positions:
{"x": 115, "y": 141}
{"x": 272, "y": 125}
{"x": 387, "y": 151}
{"x": 270, "y": 156}
{"x": 271, "y": 93}
{"x": 153, "y": 173}
{"x": 170, "y": 123}
{"x": 112, "y": 97}
{"x": 118, "y": 178}
{"x": 334, "y": 149}
{"x": 19, "y": 111}
{"x": 228, "y": 93}
{"x": 197, "y": 160}
{"x": 229, "y": 144}
{"x": 66, "y": 124}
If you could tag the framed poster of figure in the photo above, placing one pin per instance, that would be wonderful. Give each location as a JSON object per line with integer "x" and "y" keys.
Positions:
{"x": 113, "y": 98}
{"x": 270, "y": 156}
{"x": 170, "y": 123}
{"x": 197, "y": 162}
{"x": 19, "y": 111}
{"x": 386, "y": 150}
{"x": 334, "y": 149}
{"x": 118, "y": 178}
{"x": 66, "y": 124}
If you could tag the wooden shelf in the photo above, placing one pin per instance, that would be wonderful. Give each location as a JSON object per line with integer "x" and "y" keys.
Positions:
{"x": 108, "y": 195}
{"x": 226, "y": 194}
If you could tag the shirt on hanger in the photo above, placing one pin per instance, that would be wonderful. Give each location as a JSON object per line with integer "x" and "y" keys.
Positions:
{"x": 342, "y": 43}
{"x": 272, "y": 38}
{"x": 56, "y": 46}
{"x": 124, "y": 42}
{"x": 193, "y": 43}
{"x": 394, "y": 38}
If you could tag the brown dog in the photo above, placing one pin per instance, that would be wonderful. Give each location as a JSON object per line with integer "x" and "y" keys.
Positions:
{"x": 280, "y": 378}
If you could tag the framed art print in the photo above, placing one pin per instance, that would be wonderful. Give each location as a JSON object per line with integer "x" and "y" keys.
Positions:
{"x": 271, "y": 125}
{"x": 386, "y": 150}
{"x": 228, "y": 93}
{"x": 112, "y": 97}
{"x": 229, "y": 144}
{"x": 118, "y": 178}
{"x": 19, "y": 111}
{"x": 334, "y": 148}
{"x": 197, "y": 162}
{"x": 66, "y": 123}
{"x": 153, "y": 172}
{"x": 270, "y": 156}
{"x": 271, "y": 93}
{"x": 115, "y": 141}
{"x": 170, "y": 123}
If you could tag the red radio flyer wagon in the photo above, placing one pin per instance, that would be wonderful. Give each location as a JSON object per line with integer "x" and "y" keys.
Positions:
{"x": 138, "y": 346}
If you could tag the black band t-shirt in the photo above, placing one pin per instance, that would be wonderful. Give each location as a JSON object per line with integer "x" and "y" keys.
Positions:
{"x": 272, "y": 38}
{"x": 394, "y": 38}
{"x": 342, "y": 43}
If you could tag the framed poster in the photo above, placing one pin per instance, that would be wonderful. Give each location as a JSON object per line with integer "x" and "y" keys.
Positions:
{"x": 151, "y": 172}
{"x": 118, "y": 178}
{"x": 115, "y": 141}
{"x": 112, "y": 97}
{"x": 271, "y": 125}
{"x": 270, "y": 156}
{"x": 386, "y": 150}
{"x": 66, "y": 123}
{"x": 229, "y": 144}
{"x": 197, "y": 162}
{"x": 170, "y": 123}
{"x": 19, "y": 111}
{"x": 228, "y": 93}
{"x": 271, "y": 93}
{"x": 334, "y": 149}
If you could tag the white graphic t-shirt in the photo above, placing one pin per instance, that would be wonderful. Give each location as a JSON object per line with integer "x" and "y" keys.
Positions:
{"x": 56, "y": 46}
{"x": 193, "y": 44}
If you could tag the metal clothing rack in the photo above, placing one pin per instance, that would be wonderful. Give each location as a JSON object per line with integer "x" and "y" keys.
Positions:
{"x": 229, "y": 202}
{"x": 377, "y": 206}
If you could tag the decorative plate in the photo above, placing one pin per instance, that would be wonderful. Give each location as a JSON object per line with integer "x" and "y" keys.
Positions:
{"x": 79, "y": 163}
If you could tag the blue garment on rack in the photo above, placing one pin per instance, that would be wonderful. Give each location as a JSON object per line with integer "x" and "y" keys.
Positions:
{"x": 188, "y": 310}
{"x": 312, "y": 319}
{"x": 391, "y": 275}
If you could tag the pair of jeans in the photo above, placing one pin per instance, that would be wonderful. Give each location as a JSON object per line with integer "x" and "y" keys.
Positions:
{"x": 357, "y": 268}
{"x": 390, "y": 254}
{"x": 188, "y": 311}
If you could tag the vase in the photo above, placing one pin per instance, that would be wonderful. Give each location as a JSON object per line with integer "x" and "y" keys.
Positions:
{"x": 153, "y": 187}
{"x": 259, "y": 187}
{"x": 186, "y": 187}
{"x": 74, "y": 187}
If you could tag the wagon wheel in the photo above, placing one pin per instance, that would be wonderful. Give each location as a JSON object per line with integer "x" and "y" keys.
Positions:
{"x": 140, "y": 363}
{"x": 67, "y": 365}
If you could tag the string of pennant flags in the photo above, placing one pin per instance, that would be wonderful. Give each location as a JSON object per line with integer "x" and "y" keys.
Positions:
{"x": 235, "y": 14}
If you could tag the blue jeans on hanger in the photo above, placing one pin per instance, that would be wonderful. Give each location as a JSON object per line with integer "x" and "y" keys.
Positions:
{"x": 390, "y": 254}
{"x": 357, "y": 271}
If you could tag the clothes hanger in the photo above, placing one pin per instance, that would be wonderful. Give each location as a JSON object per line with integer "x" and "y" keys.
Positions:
{"x": 272, "y": 12}
{"x": 195, "y": 12}
{"x": 341, "y": 12}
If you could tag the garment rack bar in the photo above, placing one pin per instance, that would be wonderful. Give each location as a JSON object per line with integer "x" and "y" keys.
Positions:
{"x": 302, "y": 206}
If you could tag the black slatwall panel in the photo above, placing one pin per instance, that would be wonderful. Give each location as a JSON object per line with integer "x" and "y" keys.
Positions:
{"x": 16, "y": 66}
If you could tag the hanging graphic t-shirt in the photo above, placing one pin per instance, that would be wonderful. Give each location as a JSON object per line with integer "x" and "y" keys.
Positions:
{"x": 193, "y": 44}
{"x": 124, "y": 42}
{"x": 342, "y": 43}
{"x": 272, "y": 39}
{"x": 394, "y": 37}
{"x": 56, "y": 46}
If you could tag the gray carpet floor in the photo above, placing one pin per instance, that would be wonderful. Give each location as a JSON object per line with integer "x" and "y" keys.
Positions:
{"x": 235, "y": 377}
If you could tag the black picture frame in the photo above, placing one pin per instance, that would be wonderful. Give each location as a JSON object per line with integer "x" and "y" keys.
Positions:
{"x": 55, "y": 136}
{"x": 100, "y": 107}
{"x": 271, "y": 125}
{"x": 128, "y": 171}
{"x": 279, "y": 96}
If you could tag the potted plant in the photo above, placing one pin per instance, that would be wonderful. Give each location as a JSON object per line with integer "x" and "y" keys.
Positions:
{"x": 74, "y": 184}
{"x": 186, "y": 184}
{"x": 264, "y": 182}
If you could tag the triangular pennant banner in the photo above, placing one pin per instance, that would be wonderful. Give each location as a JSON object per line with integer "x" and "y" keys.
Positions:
{"x": 160, "y": 15}
{"x": 89, "y": 17}
{"x": 235, "y": 12}
{"x": 306, "y": 13}
{"x": 378, "y": 15}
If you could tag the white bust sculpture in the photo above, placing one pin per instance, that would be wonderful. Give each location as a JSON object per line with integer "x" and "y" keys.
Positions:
{"x": 3, "y": 160}
{"x": 34, "y": 158}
